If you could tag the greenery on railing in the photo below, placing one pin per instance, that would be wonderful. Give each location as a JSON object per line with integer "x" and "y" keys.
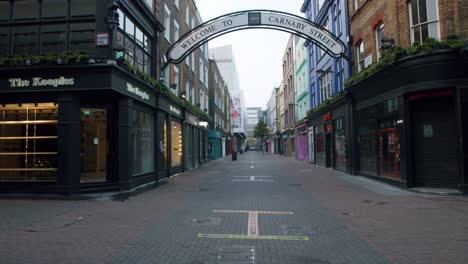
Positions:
{"x": 21, "y": 60}
{"x": 166, "y": 91}
{"x": 428, "y": 46}
{"x": 326, "y": 103}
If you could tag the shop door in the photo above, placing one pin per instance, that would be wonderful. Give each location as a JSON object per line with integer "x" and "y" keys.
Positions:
{"x": 435, "y": 141}
{"x": 329, "y": 150}
{"x": 311, "y": 145}
{"x": 94, "y": 145}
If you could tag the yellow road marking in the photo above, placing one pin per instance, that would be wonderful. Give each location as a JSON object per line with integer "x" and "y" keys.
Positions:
{"x": 258, "y": 212}
{"x": 258, "y": 237}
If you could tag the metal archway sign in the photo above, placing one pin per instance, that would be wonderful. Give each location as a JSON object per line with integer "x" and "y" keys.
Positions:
{"x": 267, "y": 19}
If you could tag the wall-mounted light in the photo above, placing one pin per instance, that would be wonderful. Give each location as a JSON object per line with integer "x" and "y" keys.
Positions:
{"x": 183, "y": 95}
{"x": 173, "y": 86}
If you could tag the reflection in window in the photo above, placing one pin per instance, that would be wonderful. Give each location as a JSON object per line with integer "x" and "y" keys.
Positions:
{"x": 176, "y": 143}
{"x": 142, "y": 142}
{"x": 82, "y": 37}
{"x": 4, "y": 10}
{"x": 53, "y": 38}
{"x": 26, "y": 9}
{"x": 28, "y": 142}
{"x": 54, "y": 8}
{"x": 25, "y": 40}
{"x": 4, "y": 41}
{"x": 81, "y": 8}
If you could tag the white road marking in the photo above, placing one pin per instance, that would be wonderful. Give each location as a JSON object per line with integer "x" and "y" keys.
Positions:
{"x": 251, "y": 167}
{"x": 253, "y": 224}
{"x": 252, "y": 179}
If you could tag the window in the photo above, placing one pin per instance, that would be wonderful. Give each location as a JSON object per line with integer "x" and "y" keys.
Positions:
{"x": 318, "y": 6}
{"x": 379, "y": 35}
{"x": 166, "y": 75}
{"x": 4, "y": 11}
{"x": 53, "y": 38}
{"x": 83, "y": 8}
{"x": 142, "y": 142}
{"x": 176, "y": 81}
{"x": 338, "y": 21}
{"x": 167, "y": 23}
{"x": 176, "y": 3}
{"x": 200, "y": 100}
{"x": 176, "y": 143}
{"x": 187, "y": 13}
{"x": 357, "y": 4}
{"x": 360, "y": 55}
{"x": 4, "y": 41}
{"x": 28, "y": 142}
{"x": 424, "y": 20}
{"x": 206, "y": 76}
{"x": 176, "y": 31}
{"x": 340, "y": 74}
{"x": 54, "y": 8}
{"x": 82, "y": 37}
{"x": 25, "y": 10}
{"x": 137, "y": 44}
{"x": 193, "y": 23}
{"x": 200, "y": 70}
{"x": 325, "y": 86}
{"x": 192, "y": 93}
{"x": 193, "y": 61}
{"x": 25, "y": 40}
{"x": 320, "y": 51}
{"x": 149, "y": 3}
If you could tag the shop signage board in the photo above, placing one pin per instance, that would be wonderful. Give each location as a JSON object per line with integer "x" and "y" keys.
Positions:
{"x": 138, "y": 92}
{"x": 175, "y": 110}
{"x": 40, "y": 82}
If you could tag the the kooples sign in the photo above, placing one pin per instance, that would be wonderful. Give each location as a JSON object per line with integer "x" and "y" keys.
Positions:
{"x": 39, "y": 82}
{"x": 254, "y": 19}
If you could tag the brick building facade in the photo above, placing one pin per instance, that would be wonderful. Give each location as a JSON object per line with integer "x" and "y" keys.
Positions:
{"x": 289, "y": 119}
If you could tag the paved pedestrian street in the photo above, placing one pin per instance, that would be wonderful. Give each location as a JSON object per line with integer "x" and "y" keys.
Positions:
{"x": 258, "y": 209}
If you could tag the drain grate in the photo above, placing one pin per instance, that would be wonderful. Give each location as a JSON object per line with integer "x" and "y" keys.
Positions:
{"x": 236, "y": 255}
{"x": 205, "y": 221}
{"x": 296, "y": 230}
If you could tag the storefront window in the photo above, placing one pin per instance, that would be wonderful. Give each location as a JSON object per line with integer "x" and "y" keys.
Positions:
{"x": 176, "y": 144}
{"x": 54, "y": 8}
{"x": 320, "y": 156}
{"x": 379, "y": 139}
{"x": 53, "y": 38}
{"x": 28, "y": 142}
{"x": 142, "y": 142}
{"x": 25, "y": 9}
{"x": 340, "y": 145}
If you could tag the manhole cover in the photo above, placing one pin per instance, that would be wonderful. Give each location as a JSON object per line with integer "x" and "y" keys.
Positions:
{"x": 205, "y": 221}
{"x": 296, "y": 230}
{"x": 236, "y": 255}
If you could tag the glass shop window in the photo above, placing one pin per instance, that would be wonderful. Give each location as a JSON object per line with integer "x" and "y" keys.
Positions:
{"x": 142, "y": 142}
{"x": 176, "y": 144}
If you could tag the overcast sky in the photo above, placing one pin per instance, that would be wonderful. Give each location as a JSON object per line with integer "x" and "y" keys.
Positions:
{"x": 258, "y": 52}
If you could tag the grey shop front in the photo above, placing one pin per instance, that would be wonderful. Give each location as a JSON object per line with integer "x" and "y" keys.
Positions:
{"x": 76, "y": 129}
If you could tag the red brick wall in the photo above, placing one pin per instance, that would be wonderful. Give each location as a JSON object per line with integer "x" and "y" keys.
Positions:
{"x": 453, "y": 19}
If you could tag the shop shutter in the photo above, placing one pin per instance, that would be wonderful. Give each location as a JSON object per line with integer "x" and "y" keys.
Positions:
{"x": 435, "y": 141}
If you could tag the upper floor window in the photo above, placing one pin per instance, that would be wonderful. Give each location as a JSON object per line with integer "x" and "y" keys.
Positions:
{"x": 4, "y": 11}
{"x": 318, "y": 6}
{"x": 337, "y": 21}
{"x": 167, "y": 23}
{"x": 176, "y": 30}
{"x": 325, "y": 86}
{"x": 149, "y": 3}
{"x": 379, "y": 35}
{"x": 175, "y": 90}
{"x": 187, "y": 13}
{"x": 360, "y": 55}
{"x": 25, "y": 10}
{"x": 83, "y": 8}
{"x": 176, "y": 3}
{"x": 424, "y": 20}
{"x": 54, "y": 8}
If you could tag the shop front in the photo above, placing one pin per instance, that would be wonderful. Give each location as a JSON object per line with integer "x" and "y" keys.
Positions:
{"x": 172, "y": 129}
{"x": 327, "y": 133}
{"x": 214, "y": 144}
{"x": 409, "y": 131}
{"x": 192, "y": 141}
{"x": 75, "y": 130}
{"x": 302, "y": 141}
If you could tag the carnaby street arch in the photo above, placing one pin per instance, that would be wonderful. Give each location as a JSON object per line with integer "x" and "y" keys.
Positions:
{"x": 267, "y": 19}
